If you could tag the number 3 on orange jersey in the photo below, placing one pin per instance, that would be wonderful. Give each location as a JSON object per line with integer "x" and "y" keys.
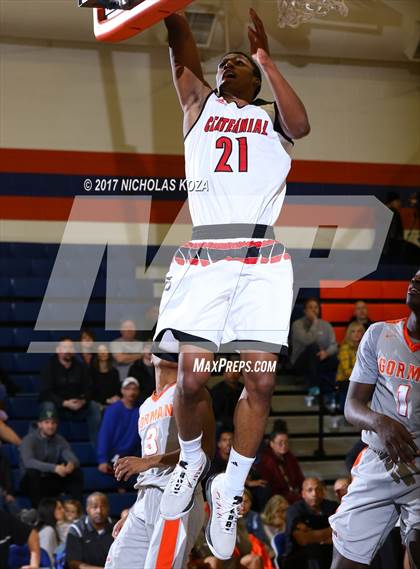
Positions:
{"x": 151, "y": 441}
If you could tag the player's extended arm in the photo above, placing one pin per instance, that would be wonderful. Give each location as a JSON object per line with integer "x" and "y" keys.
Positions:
{"x": 186, "y": 67}
{"x": 292, "y": 113}
{"x": 130, "y": 465}
{"x": 398, "y": 441}
{"x": 306, "y": 536}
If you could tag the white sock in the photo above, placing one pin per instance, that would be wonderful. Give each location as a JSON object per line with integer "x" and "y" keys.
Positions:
{"x": 237, "y": 471}
{"x": 190, "y": 450}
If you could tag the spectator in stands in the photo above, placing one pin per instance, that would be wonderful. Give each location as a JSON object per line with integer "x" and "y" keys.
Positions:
{"x": 341, "y": 486}
{"x": 307, "y": 528}
{"x": 118, "y": 435}
{"x": 280, "y": 468}
{"x": 347, "y": 359}
{"x": 126, "y": 349}
{"x": 225, "y": 396}
{"x": 90, "y": 538}
{"x": 106, "y": 385}
{"x": 48, "y": 461}
{"x": 50, "y": 512}
{"x": 72, "y": 510}
{"x": 253, "y": 519}
{"x": 87, "y": 341}
{"x": 274, "y": 516}
{"x": 314, "y": 347}
{"x": 13, "y": 531}
{"x": 144, "y": 371}
{"x": 361, "y": 315}
{"x": 67, "y": 383}
{"x": 224, "y": 444}
{"x": 72, "y": 513}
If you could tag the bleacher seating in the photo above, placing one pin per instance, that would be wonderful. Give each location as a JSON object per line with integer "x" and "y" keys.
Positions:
{"x": 26, "y": 268}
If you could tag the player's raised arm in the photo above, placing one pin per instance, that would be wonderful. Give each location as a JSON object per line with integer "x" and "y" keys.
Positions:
{"x": 186, "y": 67}
{"x": 292, "y": 113}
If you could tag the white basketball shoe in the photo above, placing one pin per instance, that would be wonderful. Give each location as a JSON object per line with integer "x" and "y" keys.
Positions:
{"x": 178, "y": 496}
{"x": 224, "y": 514}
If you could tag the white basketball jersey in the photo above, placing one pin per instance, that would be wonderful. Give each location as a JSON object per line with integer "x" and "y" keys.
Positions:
{"x": 158, "y": 434}
{"x": 236, "y": 164}
{"x": 388, "y": 358}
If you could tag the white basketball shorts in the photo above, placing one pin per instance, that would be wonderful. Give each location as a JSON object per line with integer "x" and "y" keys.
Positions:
{"x": 227, "y": 290}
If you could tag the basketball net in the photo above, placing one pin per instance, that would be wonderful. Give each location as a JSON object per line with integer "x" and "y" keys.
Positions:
{"x": 295, "y": 12}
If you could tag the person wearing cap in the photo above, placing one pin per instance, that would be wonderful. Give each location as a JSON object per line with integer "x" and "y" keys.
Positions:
{"x": 50, "y": 467}
{"x": 118, "y": 432}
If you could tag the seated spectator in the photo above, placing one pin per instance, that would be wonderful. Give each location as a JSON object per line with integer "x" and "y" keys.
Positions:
{"x": 360, "y": 314}
{"x": 225, "y": 396}
{"x": 72, "y": 513}
{"x": 253, "y": 519}
{"x": 274, "y": 517}
{"x": 15, "y": 532}
{"x": 87, "y": 341}
{"x": 106, "y": 385}
{"x": 126, "y": 349}
{"x": 279, "y": 467}
{"x": 90, "y": 538}
{"x": 341, "y": 485}
{"x": 66, "y": 383}
{"x": 144, "y": 371}
{"x": 50, "y": 467}
{"x": 118, "y": 435}
{"x": 347, "y": 359}
{"x": 308, "y": 532}
{"x": 50, "y": 512}
{"x": 314, "y": 348}
{"x": 224, "y": 444}
{"x": 72, "y": 510}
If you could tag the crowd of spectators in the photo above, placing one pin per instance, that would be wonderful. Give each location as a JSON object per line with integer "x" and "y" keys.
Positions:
{"x": 284, "y": 520}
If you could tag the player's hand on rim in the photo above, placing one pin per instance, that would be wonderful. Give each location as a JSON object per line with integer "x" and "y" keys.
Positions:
{"x": 258, "y": 40}
{"x": 128, "y": 466}
{"x": 398, "y": 442}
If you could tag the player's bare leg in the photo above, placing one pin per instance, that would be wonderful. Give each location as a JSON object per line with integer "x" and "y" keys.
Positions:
{"x": 192, "y": 403}
{"x": 193, "y": 412}
{"x": 166, "y": 372}
{"x": 254, "y": 408}
{"x": 340, "y": 562}
{"x": 224, "y": 492}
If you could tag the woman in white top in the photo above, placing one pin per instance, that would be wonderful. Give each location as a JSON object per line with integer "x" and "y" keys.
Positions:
{"x": 50, "y": 511}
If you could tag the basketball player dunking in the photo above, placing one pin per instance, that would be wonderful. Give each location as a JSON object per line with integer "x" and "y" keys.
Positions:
{"x": 386, "y": 475}
{"x": 232, "y": 283}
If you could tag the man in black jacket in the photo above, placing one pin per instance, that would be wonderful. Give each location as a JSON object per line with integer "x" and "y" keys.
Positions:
{"x": 67, "y": 383}
{"x": 90, "y": 538}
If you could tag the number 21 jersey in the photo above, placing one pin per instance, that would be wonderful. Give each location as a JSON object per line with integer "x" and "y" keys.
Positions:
{"x": 236, "y": 163}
